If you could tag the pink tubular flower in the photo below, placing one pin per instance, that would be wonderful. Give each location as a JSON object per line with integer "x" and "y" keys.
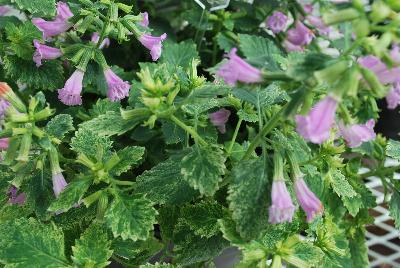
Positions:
{"x": 277, "y": 22}
{"x": 57, "y": 26}
{"x": 385, "y": 75}
{"x": 395, "y": 53}
{"x": 300, "y": 35}
{"x": 393, "y": 97}
{"x": 145, "y": 21}
{"x": 318, "y": 23}
{"x": 291, "y": 47}
{"x": 15, "y": 199}
{"x": 3, "y": 107}
{"x": 282, "y": 208}
{"x": 236, "y": 69}
{"x": 154, "y": 44}
{"x": 117, "y": 88}
{"x": 315, "y": 126}
{"x": 59, "y": 183}
{"x": 44, "y": 52}
{"x": 4, "y": 10}
{"x": 219, "y": 119}
{"x": 4, "y": 142}
{"x": 71, "y": 93}
{"x": 96, "y": 37}
{"x": 355, "y": 135}
{"x": 311, "y": 205}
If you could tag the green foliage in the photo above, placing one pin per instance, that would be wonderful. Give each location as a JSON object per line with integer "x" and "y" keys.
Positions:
{"x": 179, "y": 54}
{"x": 164, "y": 184}
{"x": 29, "y": 243}
{"x": 131, "y": 217}
{"x": 88, "y": 143}
{"x": 60, "y": 125}
{"x": 21, "y": 39}
{"x": 109, "y": 124}
{"x": 38, "y": 8}
{"x": 393, "y": 149}
{"x": 358, "y": 249}
{"x": 203, "y": 167}
{"x": 248, "y": 198}
{"x": 394, "y": 207}
{"x": 93, "y": 248}
{"x": 158, "y": 265}
{"x": 129, "y": 158}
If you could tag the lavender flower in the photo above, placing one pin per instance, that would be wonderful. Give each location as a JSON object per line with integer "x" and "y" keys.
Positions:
{"x": 145, "y": 20}
{"x": 219, "y": 119}
{"x": 355, "y": 135}
{"x": 315, "y": 126}
{"x": 57, "y": 26}
{"x": 59, "y": 183}
{"x": 15, "y": 199}
{"x": 4, "y": 143}
{"x": 44, "y": 52}
{"x": 282, "y": 208}
{"x": 154, "y": 44}
{"x": 393, "y": 97}
{"x": 4, "y": 10}
{"x": 236, "y": 69}
{"x": 277, "y": 22}
{"x": 3, "y": 107}
{"x": 300, "y": 35}
{"x": 96, "y": 37}
{"x": 117, "y": 88}
{"x": 385, "y": 75}
{"x": 311, "y": 205}
{"x": 71, "y": 93}
{"x": 318, "y": 23}
{"x": 292, "y": 47}
{"x": 395, "y": 54}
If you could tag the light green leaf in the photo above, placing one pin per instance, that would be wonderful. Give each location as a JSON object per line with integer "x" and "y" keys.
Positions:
{"x": 38, "y": 8}
{"x": 340, "y": 184}
{"x": 179, "y": 54}
{"x": 131, "y": 216}
{"x": 28, "y": 243}
{"x": 164, "y": 184}
{"x": 203, "y": 167}
{"x": 393, "y": 149}
{"x": 262, "y": 97}
{"x": 21, "y": 39}
{"x": 248, "y": 115}
{"x": 249, "y": 198}
{"x": 60, "y": 125}
{"x": 130, "y": 156}
{"x": 158, "y": 265}
{"x": 88, "y": 143}
{"x": 394, "y": 207}
{"x": 92, "y": 249}
{"x": 71, "y": 195}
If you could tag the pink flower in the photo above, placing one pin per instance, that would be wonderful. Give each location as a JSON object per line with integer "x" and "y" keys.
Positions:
{"x": 355, "y": 135}
{"x": 316, "y": 126}
{"x": 3, "y": 107}
{"x": 318, "y": 23}
{"x": 311, "y": 205}
{"x": 395, "y": 54}
{"x": 117, "y": 88}
{"x": 59, "y": 184}
{"x": 291, "y": 47}
{"x": 277, "y": 22}
{"x": 4, "y": 142}
{"x": 385, "y": 75}
{"x": 154, "y": 44}
{"x": 145, "y": 21}
{"x": 71, "y": 93}
{"x": 15, "y": 199}
{"x": 393, "y": 97}
{"x": 96, "y": 37}
{"x": 300, "y": 35}
{"x": 282, "y": 208}
{"x": 219, "y": 119}
{"x": 236, "y": 69}
{"x": 57, "y": 26}
{"x": 308, "y": 8}
{"x": 44, "y": 52}
{"x": 4, "y": 10}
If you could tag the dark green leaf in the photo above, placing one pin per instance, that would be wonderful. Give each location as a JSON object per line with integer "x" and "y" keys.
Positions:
{"x": 129, "y": 157}
{"x": 59, "y": 125}
{"x": 38, "y": 8}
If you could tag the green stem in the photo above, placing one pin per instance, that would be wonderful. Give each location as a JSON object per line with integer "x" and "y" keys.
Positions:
{"x": 127, "y": 183}
{"x": 356, "y": 44}
{"x": 188, "y": 129}
{"x": 234, "y": 136}
{"x": 379, "y": 172}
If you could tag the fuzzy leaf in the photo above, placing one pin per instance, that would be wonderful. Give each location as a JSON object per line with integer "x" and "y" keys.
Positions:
{"x": 21, "y": 39}
{"x": 393, "y": 149}
{"x": 248, "y": 198}
{"x": 60, "y": 125}
{"x": 88, "y": 143}
{"x": 131, "y": 217}
{"x": 28, "y": 243}
{"x": 394, "y": 207}
{"x": 202, "y": 168}
{"x": 164, "y": 184}
{"x": 172, "y": 133}
{"x": 130, "y": 157}
{"x": 38, "y": 8}
{"x": 158, "y": 265}
{"x": 262, "y": 97}
{"x": 358, "y": 249}
{"x": 340, "y": 184}
{"x": 179, "y": 54}
{"x": 93, "y": 248}
{"x": 308, "y": 253}
{"x": 71, "y": 195}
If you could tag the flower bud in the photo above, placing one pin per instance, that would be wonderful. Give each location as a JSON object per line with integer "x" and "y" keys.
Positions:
{"x": 331, "y": 73}
{"x": 380, "y": 11}
{"x": 361, "y": 27}
{"x": 102, "y": 205}
{"x": 8, "y": 94}
{"x": 377, "y": 88}
{"x": 25, "y": 147}
{"x": 339, "y": 16}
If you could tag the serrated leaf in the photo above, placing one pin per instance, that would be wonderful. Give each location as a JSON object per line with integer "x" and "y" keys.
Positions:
{"x": 129, "y": 157}
{"x": 340, "y": 184}
{"x": 358, "y": 249}
{"x": 225, "y": 42}
{"x": 164, "y": 184}
{"x": 394, "y": 207}
{"x": 262, "y": 97}
{"x": 259, "y": 50}
{"x": 21, "y": 39}
{"x": 28, "y": 243}
{"x": 40, "y": 193}
{"x": 60, "y": 125}
{"x": 103, "y": 106}
{"x": 179, "y": 54}
{"x": 131, "y": 217}
{"x": 48, "y": 77}
{"x": 306, "y": 252}
{"x": 71, "y": 195}
{"x": 88, "y": 143}
{"x": 38, "y": 8}
{"x": 248, "y": 198}
{"x": 247, "y": 116}
{"x": 202, "y": 168}
{"x": 172, "y": 133}
{"x": 158, "y": 265}
{"x": 93, "y": 248}
{"x": 393, "y": 149}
